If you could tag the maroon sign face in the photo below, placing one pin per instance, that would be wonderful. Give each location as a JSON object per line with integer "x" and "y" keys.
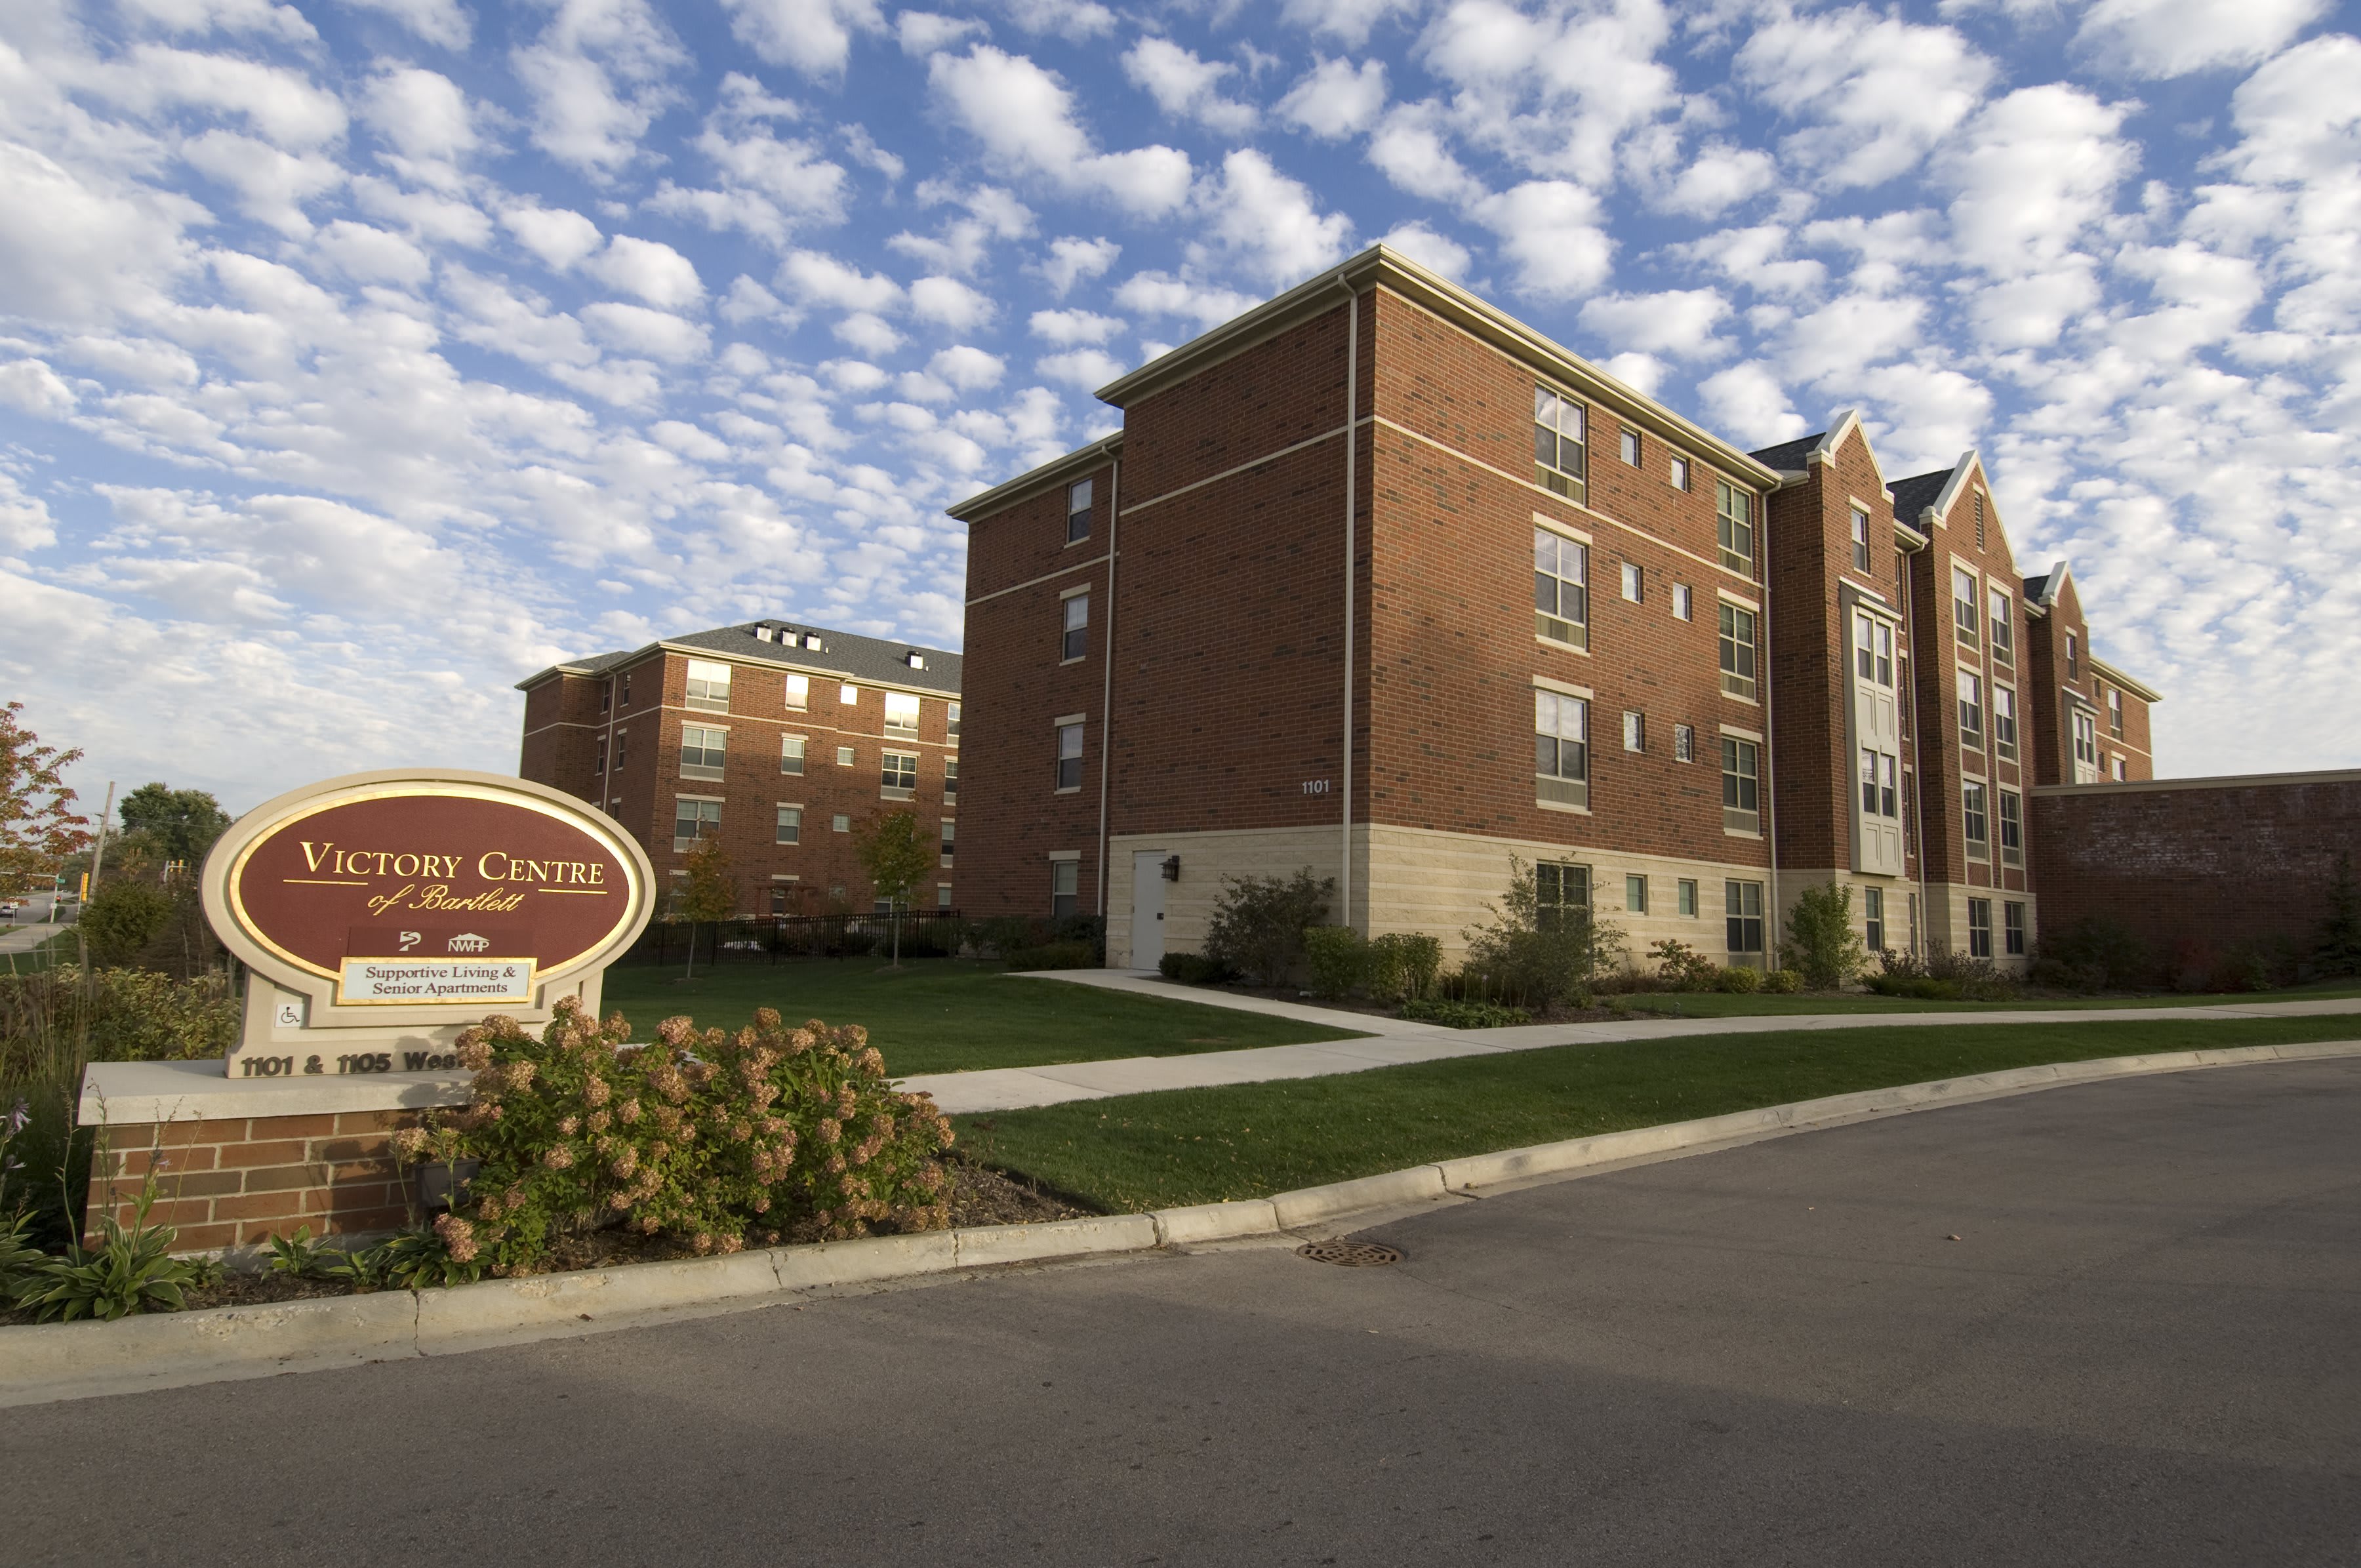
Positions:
{"x": 439, "y": 871}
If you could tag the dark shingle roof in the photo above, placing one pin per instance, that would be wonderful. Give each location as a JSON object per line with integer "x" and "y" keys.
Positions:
{"x": 1915, "y": 494}
{"x": 2034, "y": 586}
{"x": 1788, "y": 455}
{"x": 841, "y": 653}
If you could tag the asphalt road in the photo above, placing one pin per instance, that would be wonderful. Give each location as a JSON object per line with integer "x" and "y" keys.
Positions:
{"x": 2143, "y": 1348}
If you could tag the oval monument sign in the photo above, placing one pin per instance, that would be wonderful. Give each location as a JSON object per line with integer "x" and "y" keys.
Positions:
{"x": 383, "y": 912}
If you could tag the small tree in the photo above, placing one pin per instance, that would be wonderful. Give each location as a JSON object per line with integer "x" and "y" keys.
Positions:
{"x": 180, "y": 824}
{"x": 1822, "y": 944}
{"x": 1259, "y": 923}
{"x": 38, "y": 827}
{"x": 710, "y": 893}
{"x": 1539, "y": 954}
{"x": 2339, "y": 952}
{"x": 896, "y": 855}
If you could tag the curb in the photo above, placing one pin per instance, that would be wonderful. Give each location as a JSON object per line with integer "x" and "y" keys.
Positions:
{"x": 40, "y": 1363}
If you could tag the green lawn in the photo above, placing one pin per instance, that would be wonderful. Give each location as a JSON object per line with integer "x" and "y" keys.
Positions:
{"x": 1198, "y": 1146}
{"x": 949, "y": 1014}
{"x": 1714, "y": 1004}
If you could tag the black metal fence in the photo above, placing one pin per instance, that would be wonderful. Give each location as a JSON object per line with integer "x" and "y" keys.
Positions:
{"x": 769, "y": 939}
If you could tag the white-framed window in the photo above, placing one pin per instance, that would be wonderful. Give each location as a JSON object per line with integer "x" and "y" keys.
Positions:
{"x": 790, "y": 829}
{"x": 2086, "y": 741}
{"x": 1879, "y": 797}
{"x": 1078, "y": 511}
{"x": 2114, "y": 713}
{"x": 1561, "y": 589}
{"x": 942, "y": 896}
{"x": 1975, "y": 824}
{"x": 839, "y": 823}
{"x": 844, "y": 756}
{"x": 798, "y": 693}
{"x": 791, "y": 753}
{"x": 2118, "y": 768}
{"x": 1635, "y": 731}
{"x": 1859, "y": 540}
{"x": 1635, "y": 582}
{"x": 2073, "y": 657}
{"x": 693, "y": 819}
{"x": 951, "y": 780}
{"x": 2013, "y": 928}
{"x": 599, "y": 755}
{"x": 1872, "y": 918}
{"x": 2012, "y": 828}
{"x": 1065, "y": 888}
{"x": 1684, "y": 602}
{"x": 2004, "y": 624}
{"x": 709, "y": 686}
{"x": 1631, "y": 447}
{"x": 1684, "y": 743}
{"x": 1676, "y": 472}
{"x": 1076, "y": 614}
{"x": 1741, "y": 906}
{"x": 1558, "y": 887}
{"x": 1737, "y": 672}
{"x": 848, "y": 694}
{"x": 1635, "y": 894}
{"x": 950, "y": 831}
{"x": 703, "y": 751}
{"x": 951, "y": 723}
{"x": 1069, "y": 756}
{"x": 1734, "y": 511}
{"x": 1560, "y": 455}
{"x": 898, "y": 776}
{"x": 622, "y": 744}
{"x": 2005, "y": 722}
{"x": 1561, "y": 749}
{"x": 1963, "y": 605}
{"x": 1742, "y": 785}
{"x": 1972, "y": 708}
{"x": 902, "y": 712}
{"x": 1684, "y": 893}
{"x": 624, "y": 689}
{"x": 1980, "y": 928}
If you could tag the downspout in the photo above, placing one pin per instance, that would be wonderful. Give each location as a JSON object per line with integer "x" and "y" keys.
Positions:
{"x": 1106, "y": 689}
{"x": 1352, "y": 441}
{"x": 1770, "y": 760}
{"x": 1918, "y": 774}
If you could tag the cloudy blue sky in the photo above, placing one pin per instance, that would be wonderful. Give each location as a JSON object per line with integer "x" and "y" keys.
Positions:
{"x": 358, "y": 358}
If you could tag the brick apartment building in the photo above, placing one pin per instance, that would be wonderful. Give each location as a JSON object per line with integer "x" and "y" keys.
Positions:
{"x": 778, "y": 739}
{"x": 1522, "y": 610}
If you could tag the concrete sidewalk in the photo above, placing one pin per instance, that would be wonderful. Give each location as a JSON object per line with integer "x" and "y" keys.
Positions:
{"x": 1391, "y": 1042}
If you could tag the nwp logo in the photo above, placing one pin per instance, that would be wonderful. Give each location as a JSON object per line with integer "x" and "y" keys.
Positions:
{"x": 467, "y": 942}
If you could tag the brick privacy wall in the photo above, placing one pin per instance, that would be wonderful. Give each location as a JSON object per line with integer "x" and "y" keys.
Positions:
{"x": 238, "y": 1181}
{"x": 2211, "y": 863}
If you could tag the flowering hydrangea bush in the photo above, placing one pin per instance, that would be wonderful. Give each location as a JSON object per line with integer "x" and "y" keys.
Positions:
{"x": 713, "y": 1136}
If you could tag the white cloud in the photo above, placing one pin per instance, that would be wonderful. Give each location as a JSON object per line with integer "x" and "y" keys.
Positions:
{"x": 561, "y": 238}
{"x": 1070, "y": 260}
{"x": 950, "y": 303}
{"x": 1270, "y": 223}
{"x": 227, "y": 15}
{"x": 967, "y": 367}
{"x": 636, "y": 329}
{"x": 813, "y": 36}
{"x": 30, "y": 386}
{"x": 278, "y": 105}
{"x": 747, "y": 301}
{"x": 1411, "y": 151}
{"x": 272, "y": 186}
{"x": 2175, "y": 38}
{"x": 1556, "y": 93}
{"x": 1349, "y": 20}
{"x": 1068, "y": 327}
{"x": 443, "y": 22}
{"x": 2034, "y": 172}
{"x": 1086, "y": 370}
{"x": 1025, "y": 118}
{"x": 1186, "y": 87}
{"x": 1552, "y": 231}
{"x": 421, "y": 113}
{"x": 1072, "y": 20}
{"x": 370, "y": 255}
{"x": 25, "y": 524}
{"x": 1718, "y": 177}
{"x": 921, "y": 33}
{"x": 1877, "y": 92}
{"x": 1428, "y": 249}
{"x": 1337, "y": 98}
{"x": 869, "y": 332}
{"x": 650, "y": 268}
{"x": 814, "y": 278}
{"x": 1162, "y": 294}
{"x": 1748, "y": 402}
{"x": 71, "y": 253}
{"x": 1678, "y": 321}
{"x": 580, "y": 116}
{"x": 1643, "y": 373}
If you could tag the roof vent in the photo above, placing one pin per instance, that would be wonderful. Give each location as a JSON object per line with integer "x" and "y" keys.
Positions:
{"x": 812, "y": 641}
{"x": 761, "y": 635}
{"x": 917, "y": 660}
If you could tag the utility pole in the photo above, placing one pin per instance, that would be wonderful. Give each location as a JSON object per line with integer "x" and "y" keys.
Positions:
{"x": 98, "y": 851}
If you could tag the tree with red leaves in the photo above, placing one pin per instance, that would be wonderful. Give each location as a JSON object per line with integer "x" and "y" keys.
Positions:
{"x": 38, "y": 828}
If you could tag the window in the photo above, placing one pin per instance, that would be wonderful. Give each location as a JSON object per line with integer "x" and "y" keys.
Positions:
{"x": 1980, "y": 927}
{"x": 942, "y": 896}
{"x": 1069, "y": 756}
{"x": 2119, "y": 768}
{"x": 779, "y": 898}
{"x": 791, "y": 754}
{"x": 1872, "y": 650}
{"x": 2012, "y": 917}
{"x": 950, "y": 722}
{"x": 1635, "y": 731}
{"x": 839, "y": 823}
{"x": 798, "y": 693}
{"x": 1078, "y": 511}
{"x": 1686, "y": 895}
{"x": 1634, "y": 582}
{"x": 951, "y": 780}
{"x": 1561, "y": 589}
{"x": 1734, "y": 518}
{"x": 1737, "y": 651}
{"x": 1561, "y": 749}
{"x": 1635, "y": 895}
{"x": 621, "y": 745}
{"x": 701, "y": 752}
{"x": 898, "y": 776}
{"x": 692, "y": 820}
{"x": 2012, "y": 828}
{"x": 624, "y": 689}
{"x": 1065, "y": 888}
{"x": 1558, "y": 887}
{"x": 1078, "y": 624}
{"x": 1741, "y": 785}
{"x": 1878, "y": 796}
{"x": 606, "y": 695}
{"x": 2073, "y": 657}
{"x": 1742, "y": 912}
{"x": 1682, "y": 607}
{"x": 709, "y": 686}
{"x": 1684, "y": 743}
{"x": 1963, "y": 605}
{"x": 1974, "y": 824}
{"x": 950, "y": 831}
{"x": 2086, "y": 741}
{"x": 1558, "y": 450}
{"x": 1678, "y": 472}
{"x": 902, "y": 712}
{"x": 848, "y": 694}
{"x": 599, "y": 755}
{"x": 1859, "y": 540}
{"x": 1971, "y": 709}
{"x": 1631, "y": 447}
{"x": 1872, "y": 910}
{"x": 2005, "y": 723}
{"x": 2003, "y": 625}
{"x": 791, "y": 826}
{"x": 2114, "y": 713}
{"x": 844, "y": 756}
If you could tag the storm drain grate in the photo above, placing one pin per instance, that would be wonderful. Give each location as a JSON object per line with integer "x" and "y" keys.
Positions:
{"x": 1349, "y": 1254}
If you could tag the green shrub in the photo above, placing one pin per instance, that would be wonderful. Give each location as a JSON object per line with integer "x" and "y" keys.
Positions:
{"x": 1054, "y": 955}
{"x": 1466, "y": 1015}
{"x": 1821, "y": 943}
{"x": 1090, "y": 930}
{"x": 1952, "y": 977}
{"x": 122, "y": 917}
{"x": 1918, "y": 986}
{"x": 1737, "y": 980}
{"x": 710, "y": 1136}
{"x": 2338, "y": 950}
{"x": 1194, "y": 968}
{"x": 2097, "y": 953}
{"x": 131, "y": 1270}
{"x": 1403, "y": 966}
{"x": 1338, "y": 959}
{"x": 1004, "y": 933}
{"x": 1784, "y": 981}
{"x": 1538, "y": 956}
{"x": 1259, "y": 923}
{"x": 1682, "y": 968}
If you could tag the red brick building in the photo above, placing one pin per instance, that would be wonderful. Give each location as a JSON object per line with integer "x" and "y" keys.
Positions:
{"x": 1378, "y": 580}
{"x": 776, "y": 738}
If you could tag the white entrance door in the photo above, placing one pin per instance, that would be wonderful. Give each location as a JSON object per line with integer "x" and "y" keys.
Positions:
{"x": 1146, "y": 908}
{"x": 1877, "y": 755}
